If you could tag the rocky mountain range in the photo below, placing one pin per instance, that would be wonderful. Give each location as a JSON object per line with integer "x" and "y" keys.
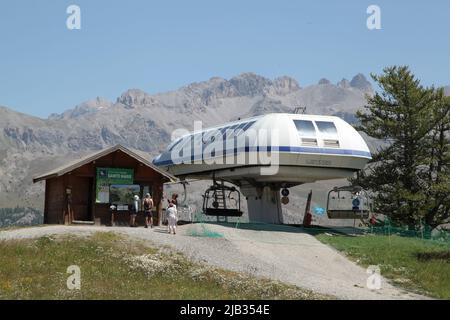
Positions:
{"x": 31, "y": 145}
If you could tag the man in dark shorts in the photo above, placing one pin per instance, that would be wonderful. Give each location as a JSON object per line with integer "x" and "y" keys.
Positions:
{"x": 148, "y": 205}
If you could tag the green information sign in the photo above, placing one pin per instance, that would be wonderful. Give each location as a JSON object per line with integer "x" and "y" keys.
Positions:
{"x": 109, "y": 176}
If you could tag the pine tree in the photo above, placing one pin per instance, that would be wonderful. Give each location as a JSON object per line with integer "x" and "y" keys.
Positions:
{"x": 438, "y": 178}
{"x": 404, "y": 116}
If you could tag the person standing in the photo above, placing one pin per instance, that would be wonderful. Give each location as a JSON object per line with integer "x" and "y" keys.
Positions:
{"x": 148, "y": 205}
{"x": 174, "y": 199}
{"x": 134, "y": 211}
{"x": 172, "y": 218}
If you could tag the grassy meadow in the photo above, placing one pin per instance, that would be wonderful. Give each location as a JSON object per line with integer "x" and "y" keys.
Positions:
{"x": 113, "y": 267}
{"x": 418, "y": 265}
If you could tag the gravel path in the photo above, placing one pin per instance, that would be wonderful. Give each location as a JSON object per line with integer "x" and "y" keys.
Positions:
{"x": 286, "y": 253}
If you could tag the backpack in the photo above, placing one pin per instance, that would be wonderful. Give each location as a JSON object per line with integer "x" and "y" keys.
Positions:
{"x": 147, "y": 203}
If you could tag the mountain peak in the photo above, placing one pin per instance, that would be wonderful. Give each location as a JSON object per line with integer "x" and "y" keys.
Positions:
{"x": 252, "y": 84}
{"x": 89, "y": 106}
{"x": 249, "y": 84}
{"x": 96, "y": 103}
{"x": 250, "y": 76}
{"x": 344, "y": 84}
{"x": 284, "y": 85}
{"x": 324, "y": 81}
{"x": 246, "y": 84}
{"x": 360, "y": 82}
{"x": 135, "y": 97}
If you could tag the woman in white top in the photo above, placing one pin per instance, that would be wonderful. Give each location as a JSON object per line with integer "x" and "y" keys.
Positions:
{"x": 172, "y": 218}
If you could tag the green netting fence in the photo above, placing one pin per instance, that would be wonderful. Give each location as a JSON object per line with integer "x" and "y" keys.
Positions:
{"x": 425, "y": 232}
{"x": 202, "y": 227}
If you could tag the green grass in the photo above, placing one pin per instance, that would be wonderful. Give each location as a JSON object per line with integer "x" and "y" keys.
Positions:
{"x": 113, "y": 267}
{"x": 414, "y": 264}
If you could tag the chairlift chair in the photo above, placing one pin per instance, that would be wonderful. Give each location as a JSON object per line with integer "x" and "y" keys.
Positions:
{"x": 218, "y": 201}
{"x": 356, "y": 206}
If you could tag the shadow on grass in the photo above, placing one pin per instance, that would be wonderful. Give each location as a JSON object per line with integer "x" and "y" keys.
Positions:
{"x": 291, "y": 228}
{"x": 438, "y": 255}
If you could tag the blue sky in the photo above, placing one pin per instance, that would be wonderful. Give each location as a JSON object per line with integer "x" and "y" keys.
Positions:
{"x": 161, "y": 45}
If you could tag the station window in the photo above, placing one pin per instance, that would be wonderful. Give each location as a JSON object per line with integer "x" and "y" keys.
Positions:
{"x": 305, "y": 128}
{"x": 175, "y": 144}
{"x": 326, "y": 127}
{"x": 208, "y": 136}
{"x": 186, "y": 141}
{"x": 230, "y": 131}
{"x": 247, "y": 126}
{"x": 239, "y": 129}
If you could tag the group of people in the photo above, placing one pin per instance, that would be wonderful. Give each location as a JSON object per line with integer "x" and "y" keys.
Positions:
{"x": 147, "y": 204}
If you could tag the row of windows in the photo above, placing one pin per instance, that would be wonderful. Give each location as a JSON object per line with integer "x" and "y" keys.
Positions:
{"x": 306, "y": 128}
{"x": 209, "y": 136}
{"x": 307, "y": 133}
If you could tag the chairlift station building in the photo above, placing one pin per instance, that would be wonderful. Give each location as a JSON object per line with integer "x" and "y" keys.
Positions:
{"x": 83, "y": 191}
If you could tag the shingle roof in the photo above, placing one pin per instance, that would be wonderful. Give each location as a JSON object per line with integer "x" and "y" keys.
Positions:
{"x": 97, "y": 155}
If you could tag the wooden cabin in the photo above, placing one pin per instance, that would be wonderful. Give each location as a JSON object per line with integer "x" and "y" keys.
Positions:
{"x": 83, "y": 192}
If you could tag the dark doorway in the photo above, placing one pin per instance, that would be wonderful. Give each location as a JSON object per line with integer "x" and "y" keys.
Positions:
{"x": 82, "y": 198}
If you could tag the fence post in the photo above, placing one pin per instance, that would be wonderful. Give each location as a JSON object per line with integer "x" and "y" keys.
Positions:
{"x": 389, "y": 230}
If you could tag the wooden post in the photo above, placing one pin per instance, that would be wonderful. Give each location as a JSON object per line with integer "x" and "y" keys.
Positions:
{"x": 308, "y": 217}
{"x": 160, "y": 203}
{"x": 69, "y": 215}
{"x": 93, "y": 195}
{"x": 47, "y": 193}
{"x": 159, "y": 200}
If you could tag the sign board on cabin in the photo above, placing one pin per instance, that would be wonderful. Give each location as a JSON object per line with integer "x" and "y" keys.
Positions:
{"x": 108, "y": 176}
